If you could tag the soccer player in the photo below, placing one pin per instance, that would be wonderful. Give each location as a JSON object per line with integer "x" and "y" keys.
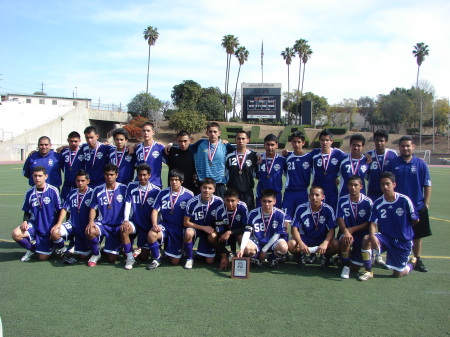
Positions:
{"x": 121, "y": 156}
{"x": 52, "y": 161}
{"x": 313, "y": 229}
{"x": 139, "y": 202}
{"x": 96, "y": 156}
{"x": 326, "y": 164}
{"x": 41, "y": 207}
{"x": 199, "y": 221}
{"x": 353, "y": 214}
{"x": 150, "y": 152}
{"x": 167, "y": 220}
{"x": 241, "y": 167}
{"x": 265, "y": 232}
{"x": 182, "y": 158}
{"x": 298, "y": 174}
{"x": 381, "y": 156}
{"x": 108, "y": 200}
{"x": 413, "y": 179}
{"x": 395, "y": 216}
{"x": 77, "y": 204}
{"x": 230, "y": 225}
{"x": 73, "y": 162}
{"x": 354, "y": 164}
{"x": 270, "y": 169}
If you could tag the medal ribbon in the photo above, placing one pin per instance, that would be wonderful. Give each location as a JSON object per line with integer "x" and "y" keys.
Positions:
{"x": 380, "y": 167}
{"x": 95, "y": 153}
{"x": 266, "y": 225}
{"x": 241, "y": 164}
{"x": 119, "y": 157}
{"x": 110, "y": 194}
{"x": 316, "y": 222}
{"x": 326, "y": 158}
{"x": 271, "y": 165}
{"x": 74, "y": 154}
{"x": 80, "y": 198}
{"x": 232, "y": 218}
{"x": 356, "y": 167}
{"x": 39, "y": 195}
{"x": 147, "y": 150}
{"x": 207, "y": 209}
{"x": 174, "y": 201}
{"x": 211, "y": 155}
{"x": 142, "y": 199}
{"x": 354, "y": 206}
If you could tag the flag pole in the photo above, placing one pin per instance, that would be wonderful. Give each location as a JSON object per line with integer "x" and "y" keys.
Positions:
{"x": 262, "y": 63}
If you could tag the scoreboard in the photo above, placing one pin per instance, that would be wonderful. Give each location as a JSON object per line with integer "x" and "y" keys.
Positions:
{"x": 261, "y": 101}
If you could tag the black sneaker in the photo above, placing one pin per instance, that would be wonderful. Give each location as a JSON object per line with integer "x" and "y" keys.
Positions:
{"x": 301, "y": 263}
{"x": 324, "y": 262}
{"x": 419, "y": 266}
{"x": 256, "y": 262}
{"x": 274, "y": 264}
{"x": 312, "y": 258}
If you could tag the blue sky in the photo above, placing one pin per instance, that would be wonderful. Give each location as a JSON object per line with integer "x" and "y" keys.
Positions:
{"x": 360, "y": 48}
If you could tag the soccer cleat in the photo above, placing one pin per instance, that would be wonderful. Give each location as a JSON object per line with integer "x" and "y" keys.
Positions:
{"x": 345, "y": 272}
{"x": 419, "y": 266}
{"x": 311, "y": 259}
{"x": 155, "y": 264}
{"x": 136, "y": 252}
{"x": 230, "y": 256}
{"x": 189, "y": 264}
{"x": 27, "y": 256}
{"x": 256, "y": 262}
{"x": 301, "y": 263}
{"x": 379, "y": 260}
{"x": 324, "y": 262}
{"x": 60, "y": 251}
{"x": 274, "y": 264}
{"x": 129, "y": 263}
{"x": 366, "y": 275}
{"x": 94, "y": 259}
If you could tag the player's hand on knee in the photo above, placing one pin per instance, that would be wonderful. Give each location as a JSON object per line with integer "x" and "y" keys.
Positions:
{"x": 24, "y": 226}
{"x": 224, "y": 264}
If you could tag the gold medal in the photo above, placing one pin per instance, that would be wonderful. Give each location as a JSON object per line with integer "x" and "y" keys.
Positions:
{"x": 109, "y": 207}
{"x": 240, "y": 172}
{"x": 325, "y": 173}
{"x": 70, "y": 169}
{"x": 268, "y": 176}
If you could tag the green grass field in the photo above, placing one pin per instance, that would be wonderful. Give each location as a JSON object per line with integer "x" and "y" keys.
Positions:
{"x": 51, "y": 299}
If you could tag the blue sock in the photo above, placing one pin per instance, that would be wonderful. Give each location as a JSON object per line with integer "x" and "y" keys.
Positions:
{"x": 93, "y": 245}
{"x": 59, "y": 243}
{"x": 188, "y": 249}
{"x": 154, "y": 249}
{"x": 26, "y": 243}
{"x": 126, "y": 247}
{"x": 271, "y": 257}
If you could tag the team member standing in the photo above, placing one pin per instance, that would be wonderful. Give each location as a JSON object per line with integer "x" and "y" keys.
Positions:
{"x": 413, "y": 179}
{"x": 73, "y": 162}
{"x": 353, "y": 214}
{"x": 41, "y": 208}
{"x": 167, "y": 220}
{"x": 241, "y": 167}
{"x": 52, "y": 161}
{"x": 121, "y": 157}
{"x": 395, "y": 216}
{"x": 109, "y": 200}
{"x": 139, "y": 202}
{"x": 96, "y": 156}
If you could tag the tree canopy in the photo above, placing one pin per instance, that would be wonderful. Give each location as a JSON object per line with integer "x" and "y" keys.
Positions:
{"x": 145, "y": 105}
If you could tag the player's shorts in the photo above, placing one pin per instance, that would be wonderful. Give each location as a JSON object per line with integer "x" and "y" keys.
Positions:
{"x": 173, "y": 240}
{"x": 397, "y": 251}
{"x": 355, "y": 252}
{"x": 68, "y": 232}
{"x": 112, "y": 238}
{"x": 310, "y": 242}
{"x": 260, "y": 246}
{"x": 292, "y": 199}
{"x": 204, "y": 248}
{"x": 422, "y": 229}
{"x": 141, "y": 233}
{"x": 43, "y": 243}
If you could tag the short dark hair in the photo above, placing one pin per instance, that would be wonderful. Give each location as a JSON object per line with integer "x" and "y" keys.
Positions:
{"x": 212, "y": 125}
{"x": 325, "y": 132}
{"x": 355, "y": 178}
{"x": 74, "y": 134}
{"x": 120, "y": 131}
{"x": 176, "y": 173}
{"x": 90, "y": 129}
{"x": 317, "y": 187}
{"x": 149, "y": 124}
{"x": 244, "y": 132}
{"x": 183, "y": 134}
{"x": 271, "y": 137}
{"x": 144, "y": 167}
{"x": 208, "y": 180}
{"x": 406, "y": 138}
{"x": 110, "y": 167}
{"x": 358, "y": 137}
{"x": 268, "y": 192}
{"x": 40, "y": 168}
{"x": 231, "y": 193}
{"x": 297, "y": 134}
{"x": 44, "y": 137}
{"x": 381, "y": 134}
{"x": 82, "y": 173}
{"x": 388, "y": 175}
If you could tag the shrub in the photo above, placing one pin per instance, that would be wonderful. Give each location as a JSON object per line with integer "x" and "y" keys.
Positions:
{"x": 188, "y": 120}
{"x": 337, "y": 130}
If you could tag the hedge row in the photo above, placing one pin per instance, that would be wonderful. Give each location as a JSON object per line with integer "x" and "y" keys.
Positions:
{"x": 335, "y": 130}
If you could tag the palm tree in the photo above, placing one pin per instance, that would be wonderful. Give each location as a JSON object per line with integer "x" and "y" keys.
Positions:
{"x": 306, "y": 56}
{"x": 242, "y": 55}
{"x": 299, "y": 48}
{"x": 420, "y": 51}
{"x": 151, "y": 35}
{"x": 229, "y": 42}
{"x": 288, "y": 54}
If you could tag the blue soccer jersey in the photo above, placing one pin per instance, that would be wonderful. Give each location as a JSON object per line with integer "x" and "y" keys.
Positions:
{"x": 94, "y": 161}
{"x": 73, "y": 162}
{"x": 153, "y": 156}
{"x": 203, "y": 213}
{"x": 43, "y": 207}
{"x": 141, "y": 200}
{"x": 355, "y": 213}
{"x": 125, "y": 162}
{"x": 378, "y": 166}
{"x": 265, "y": 226}
{"x": 110, "y": 204}
{"x": 78, "y": 205}
{"x": 232, "y": 220}
{"x": 53, "y": 163}
{"x": 352, "y": 167}
{"x": 411, "y": 177}
{"x": 314, "y": 226}
{"x": 172, "y": 206}
{"x": 394, "y": 218}
{"x": 298, "y": 173}
{"x": 270, "y": 173}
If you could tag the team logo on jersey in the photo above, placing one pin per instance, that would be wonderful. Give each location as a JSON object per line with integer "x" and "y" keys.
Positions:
{"x": 334, "y": 161}
{"x": 50, "y": 162}
{"x": 150, "y": 201}
{"x": 277, "y": 167}
{"x": 386, "y": 162}
{"x": 99, "y": 155}
{"x": 322, "y": 219}
{"x": 119, "y": 198}
{"x": 128, "y": 158}
{"x": 399, "y": 211}
{"x": 155, "y": 154}
{"x": 213, "y": 213}
{"x": 363, "y": 169}
{"x": 225, "y": 221}
{"x": 87, "y": 203}
{"x": 46, "y": 200}
{"x": 183, "y": 204}
{"x": 238, "y": 217}
{"x": 362, "y": 212}
{"x": 275, "y": 224}
{"x": 305, "y": 165}
{"x": 413, "y": 169}
{"x": 248, "y": 162}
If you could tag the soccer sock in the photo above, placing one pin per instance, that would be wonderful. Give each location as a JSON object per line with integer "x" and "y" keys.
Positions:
{"x": 127, "y": 249}
{"x": 345, "y": 256}
{"x": 26, "y": 243}
{"x": 154, "y": 249}
{"x": 367, "y": 259}
{"x": 93, "y": 245}
{"x": 59, "y": 243}
{"x": 271, "y": 257}
{"x": 188, "y": 250}
{"x": 409, "y": 267}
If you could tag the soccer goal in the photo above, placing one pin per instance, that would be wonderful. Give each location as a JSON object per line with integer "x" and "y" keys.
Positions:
{"x": 424, "y": 154}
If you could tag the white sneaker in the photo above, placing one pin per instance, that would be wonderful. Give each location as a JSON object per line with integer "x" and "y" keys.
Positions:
{"x": 28, "y": 255}
{"x": 345, "y": 272}
{"x": 379, "y": 260}
{"x": 136, "y": 252}
{"x": 155, "y": 264}
{"x": 189, "y": 264}
{"x": 129, "y": 264}
{"x": 93, "y": 260}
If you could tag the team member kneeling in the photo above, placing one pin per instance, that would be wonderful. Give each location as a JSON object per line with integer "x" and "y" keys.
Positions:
{"x": 313, "y": 229}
